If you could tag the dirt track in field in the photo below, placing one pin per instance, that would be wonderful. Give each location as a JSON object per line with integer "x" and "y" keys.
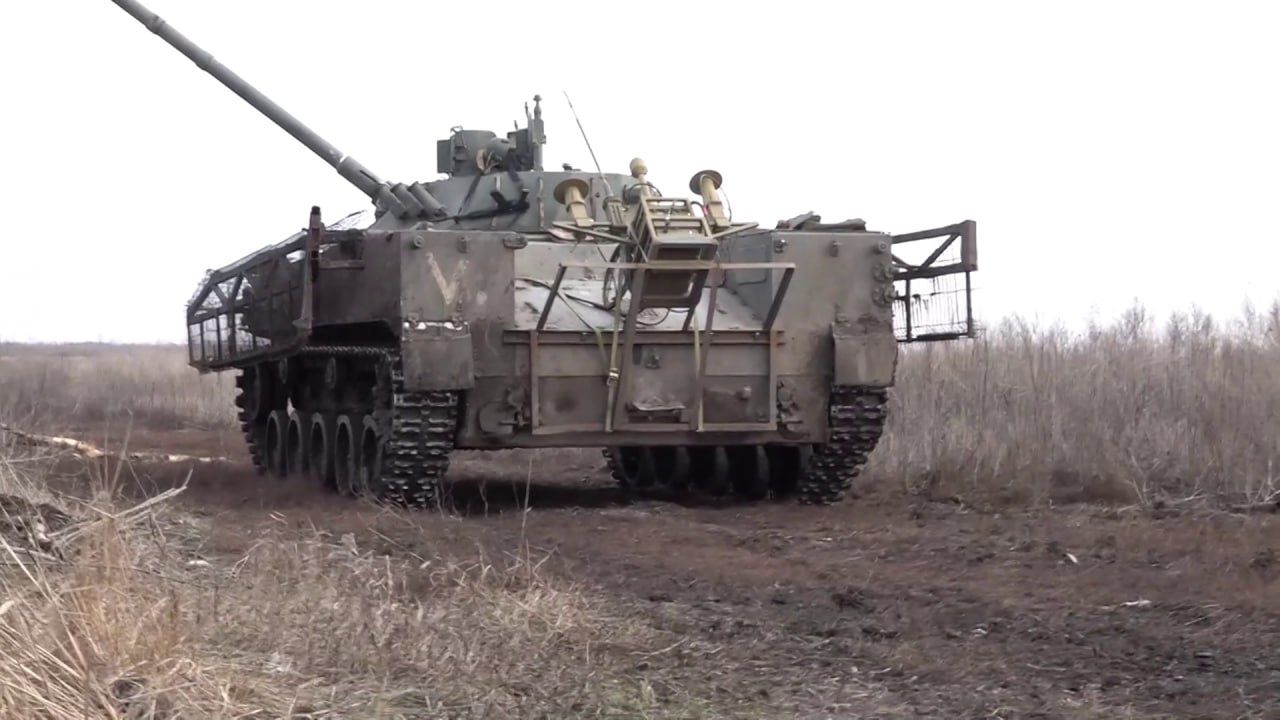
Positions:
{"x": 883, "y": 606}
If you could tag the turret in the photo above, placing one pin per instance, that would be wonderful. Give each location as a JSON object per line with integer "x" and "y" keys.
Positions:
{"x": 404, "y": 201}
{"x": 475, "y": 152}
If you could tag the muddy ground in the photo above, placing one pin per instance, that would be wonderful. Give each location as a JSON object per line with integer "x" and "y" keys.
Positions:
{"x": 884, "y": 606}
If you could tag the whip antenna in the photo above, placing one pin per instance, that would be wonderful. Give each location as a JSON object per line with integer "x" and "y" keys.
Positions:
{"x": 588, "y": 142}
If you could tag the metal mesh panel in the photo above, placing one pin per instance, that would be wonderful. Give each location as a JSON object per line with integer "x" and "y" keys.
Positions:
{"x": 932, "y": 308}
{"x": 933, "y": 294}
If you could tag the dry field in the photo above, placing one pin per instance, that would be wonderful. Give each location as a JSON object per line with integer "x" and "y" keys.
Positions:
{"x": 1056, "y": 525}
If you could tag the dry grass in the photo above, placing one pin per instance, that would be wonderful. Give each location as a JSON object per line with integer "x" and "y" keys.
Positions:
{"x": 91, "y": 383}
{"x": 1132, "y": 412}
{"x": 124, "y": 619}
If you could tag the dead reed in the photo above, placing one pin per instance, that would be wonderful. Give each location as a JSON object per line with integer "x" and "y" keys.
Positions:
{"x": 1136, "y": 411}
{"x": 90, "y": 383}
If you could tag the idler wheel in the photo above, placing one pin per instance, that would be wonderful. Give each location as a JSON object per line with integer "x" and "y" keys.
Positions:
{"x": 369, "y": 470}
{"x": 320, "y": 449}
{"x": 273, "y": 443}
{"x": 345, "y": 457}
{"x": 749, "y": 470}
{"x": 709, "y": 467}
{"x": 671, "y": 465}
{"x": 295, "y": 446}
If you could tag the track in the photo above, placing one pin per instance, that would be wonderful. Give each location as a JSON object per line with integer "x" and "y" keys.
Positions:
{"x": 341, "y": 394}
{"x": 412, "y": 432}
{"x": 418, "y": 436}
{"x": 818, "y": 475}
{"x": 857, "y": 417}
{"x": 249, "y": 413}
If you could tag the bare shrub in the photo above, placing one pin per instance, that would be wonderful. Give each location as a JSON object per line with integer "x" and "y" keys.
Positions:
{"x": 1126, "y": 412}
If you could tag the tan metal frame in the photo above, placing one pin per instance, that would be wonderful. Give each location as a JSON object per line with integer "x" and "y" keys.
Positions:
{"x": 701, "y": 339}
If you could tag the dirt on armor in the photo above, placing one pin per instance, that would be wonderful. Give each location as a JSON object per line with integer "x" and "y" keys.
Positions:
{"x": 884, "y": 605}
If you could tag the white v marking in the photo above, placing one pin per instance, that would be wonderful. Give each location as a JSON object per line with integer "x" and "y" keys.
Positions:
{"x": 448, "y": 288}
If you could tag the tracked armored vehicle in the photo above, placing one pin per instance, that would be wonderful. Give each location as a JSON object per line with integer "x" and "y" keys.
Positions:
{"x": 504, "y": 305}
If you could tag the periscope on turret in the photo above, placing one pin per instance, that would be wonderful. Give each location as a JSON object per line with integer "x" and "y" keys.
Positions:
{"x": 508, "y": 306}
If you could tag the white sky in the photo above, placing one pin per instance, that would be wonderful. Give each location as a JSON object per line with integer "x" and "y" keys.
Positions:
{"x": 1109, "y": 151}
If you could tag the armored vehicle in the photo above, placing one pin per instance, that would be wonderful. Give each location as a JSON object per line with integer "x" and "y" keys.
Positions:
{"x": 504, "y": 305}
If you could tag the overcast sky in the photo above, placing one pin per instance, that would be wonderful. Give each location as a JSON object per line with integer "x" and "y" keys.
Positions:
{"x": 1108, "y": 150}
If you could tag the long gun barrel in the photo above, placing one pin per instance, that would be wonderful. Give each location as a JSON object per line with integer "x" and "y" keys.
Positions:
{"x": 400, "y": 199}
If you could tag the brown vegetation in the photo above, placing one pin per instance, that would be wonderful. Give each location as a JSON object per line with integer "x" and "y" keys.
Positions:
{"x": 124, "y": 613}
{"x": 88, "y": 384}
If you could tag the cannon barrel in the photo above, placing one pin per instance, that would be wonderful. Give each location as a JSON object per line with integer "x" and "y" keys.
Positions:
{"x": 418, "y": 202}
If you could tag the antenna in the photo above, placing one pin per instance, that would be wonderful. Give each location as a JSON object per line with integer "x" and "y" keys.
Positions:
{"x": 588, "y": 142}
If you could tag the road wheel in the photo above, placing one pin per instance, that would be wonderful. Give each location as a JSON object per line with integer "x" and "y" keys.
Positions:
{"x": 320, "y": 449}
{"x": 632, "y": 467}
{"x": 369, "y": 469}
{"x": 749, "y": 471}
{"x": 710, "y": 470}
{"x": 345, "y": 456}
{"x": 787, "y": 465}
{"x": 671, "y": 466}
{"x": 295, "y": 446}
{"x": 273, "y": 454}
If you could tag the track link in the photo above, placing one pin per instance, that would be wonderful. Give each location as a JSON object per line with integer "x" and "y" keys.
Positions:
{"x": 856, "y": 418}
{"x": 420, "y": 435}
{"x": 417, "y": 430}
{"x": 247, "y": 411}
